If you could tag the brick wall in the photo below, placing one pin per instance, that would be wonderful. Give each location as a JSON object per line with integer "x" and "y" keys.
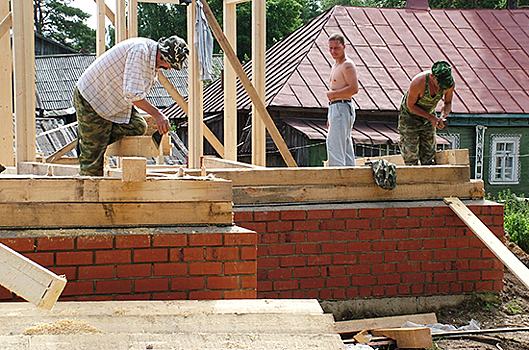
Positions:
{"x": 144, "y": 264}
{"x": 338, "y": 251}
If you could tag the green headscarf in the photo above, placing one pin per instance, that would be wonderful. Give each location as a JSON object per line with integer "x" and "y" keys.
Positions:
{"x": 442, "y": 71}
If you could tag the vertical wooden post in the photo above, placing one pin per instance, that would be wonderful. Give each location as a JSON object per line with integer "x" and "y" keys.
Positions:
{"x": 133, "y": 18}
{"x": 195, "y": 95}
{"x": 24, "y": 64}
{"x": 100, "y": 31}
{"x": 230, "y": 85}
{"x": 258, "y": 79}
{"x": 7, "y": 156}
{"x": 121, "y": 29}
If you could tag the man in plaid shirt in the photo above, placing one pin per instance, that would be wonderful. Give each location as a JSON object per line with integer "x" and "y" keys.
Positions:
{"x": 110, "y": 90}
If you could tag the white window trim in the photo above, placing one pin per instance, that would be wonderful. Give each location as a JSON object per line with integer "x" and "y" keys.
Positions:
{"x": 516, "y": 161}
{"x": 452, "y": 138}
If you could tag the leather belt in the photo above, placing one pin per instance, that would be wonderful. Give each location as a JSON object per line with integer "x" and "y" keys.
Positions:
{"x": 339, "y": 101}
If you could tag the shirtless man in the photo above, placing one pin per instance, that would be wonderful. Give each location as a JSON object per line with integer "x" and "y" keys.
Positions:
{"x": 341, "y": 114}
{"x": 417, "y": 117}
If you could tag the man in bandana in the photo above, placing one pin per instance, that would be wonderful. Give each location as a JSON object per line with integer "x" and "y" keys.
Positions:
{"x": 417, "y": 117}
{"x": 110, "y": 90}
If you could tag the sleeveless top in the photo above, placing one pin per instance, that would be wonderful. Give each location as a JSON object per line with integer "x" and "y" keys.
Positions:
{"x": 426, "y": 102}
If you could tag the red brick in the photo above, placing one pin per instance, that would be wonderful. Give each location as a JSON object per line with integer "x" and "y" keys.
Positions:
{"x": 151, "y": 285}
{"x": 352, "y": 293}
{"x": 415, "y": 233}
{"x": 444, "y": 255}
{"x": 286, "y": 295}
{"x": 78, "y": 288}
{"x": 345, "y": 213}
{"x": 286, "y": 285}
{"x": 492, "y": 275}
{"x": 344, "y": 281}
{"x": 168, "y": 240}
{"x": 55, "y": 243}
{"x": 248, "y": 253}
{"x": 382, "y": 223}
{"x": 266, "y": 215}
{"x": 135, "y": 270}
{"x": 242, "y": 216}
{"x": 338, "y": 294}
{"x": 133, "y": 241}
{"x": 150, "y": 255}
{"x": 311, "y": 283}
{"x": 486, "y": 219}
{"x": 44, "y": 259}
{"x": 308, "y": 248}
{"x": 395, "y": 256}
{"x": 249, "y": 282}
{"x": 475, "y": 242}
{"x": 240, "y": 267}
{"x": 280, "y": 274}
{"x": 189, "y": 254}
{"x": 113, "y": 257}
{"x": 442, "y": 211}
{"x": 420, "y": 211}
{"x": 344, "y": 236}
{"x": 496, "y": 209}
{"x": 306, "y": 225}
{"x": 413, "y": 278}
{"x": 170, "y": 269}
{"x": 497, "y": 221}
{"x": 205, "y": 295}
{"x": 334, "y": 271}
{"x": 408, "y": 267}
{"x": 95, "y": 242}
{"x": 432, "y": 266}
{"x": 480, "y": 264}
{"x": 319, "y": 214}
{"x": 264, "y": 286}
{"x": 468, "y": 287}
{"x": 395, "y": 212}
{"x": 497, "y": 286}
{"x": 268, "y": 238}
{"x": 469, "y": 276}
{"x": 169, "y": 296}
{"x": 431, "y": 289}
{"x": 69, "y": 271}
{"x": 254, "y": 226}
{"x": 445, "y": 277}
{"x": 240, "y": 238}
{"x": 443, "y": 288}
{"x": 114, "y": 287}
{"x": 417, "y": 289}
{"x": 222, "y": 282}
{"x": 319, "y": 260}
{"x": 420, "y": 256}
{"x": 358, "y": 270}
{"x": 363, "y": 280}
{"x": 389, "y": 279}
{"x": 20, "y": 245}
{"x": 404, "y": 289}
{"x": 359, "y": 246}
{"x": 469, "y": 253}
{"x": 391, "y": 290}
{"x": 433, "y": 222}
{"x": 408, "y": 222}
{"x": 357, "y": 224}
{"x": 304, "y": 272}
{"x": 370, "y": 258}
{"x": 290, "y": 261}
{"x": 433, "y": 244}
{"x": 293, "y": 215}
{"x": 379, "y": 246}
{"x": 293, "y": 237}
{"x": 95, "y": 272}
{"x": 332, "y": 225}
{"x": 281, "y": 249}
{"x": 457, "y": 243}
{"x": 74, "y": 258}
{"x": 370, "y": 213}
{"x": 444, "y": 232}
{"x": 459, "y": 265}
{"x": 279, "y": 226}
{"x": 205, "y": 268}
{"x": 327, "y": 248}
{"x": 267, "y": 262}
{"x": 319, "y": 236}
{"x": 383, "y": 268}
{"x": 453, "y": 221}
{"x": 409, "y": 245}
{"x": 369, "y": 235}
{"x": 5, "y": 294}
{"x": 205, "y": 239}
{"x": 240, "y": 294}
{"x": 134, "y": 296}
{"x": 187, "y": 283}
{"x": 339, "y": 259}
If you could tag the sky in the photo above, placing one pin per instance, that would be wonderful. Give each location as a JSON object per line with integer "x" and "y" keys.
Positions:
{"x": 90, "y": 7}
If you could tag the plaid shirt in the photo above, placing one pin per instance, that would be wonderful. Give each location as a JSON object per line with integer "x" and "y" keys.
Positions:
{"x": 124, "y": 74}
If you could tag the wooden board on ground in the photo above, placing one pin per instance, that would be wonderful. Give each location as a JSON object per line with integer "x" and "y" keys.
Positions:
{"x": 139, "y": 146}
{"x": 489, "y": 239}
{"x": 355, "y": 326}
{"x": 447, "y": 157}
{"x": 29, "y": 280}
{"x": 407, "y": 338}
{"x": 219, "y": 163}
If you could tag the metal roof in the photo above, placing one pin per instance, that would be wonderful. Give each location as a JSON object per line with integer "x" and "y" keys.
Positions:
{"x": 488, "y": 49}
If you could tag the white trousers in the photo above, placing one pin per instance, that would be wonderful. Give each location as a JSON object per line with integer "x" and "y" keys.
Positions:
{"x": 340, "y": 150}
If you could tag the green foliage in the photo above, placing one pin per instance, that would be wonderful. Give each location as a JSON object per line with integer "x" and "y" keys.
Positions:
{"x": 161, "y": 20}
{"x": 516, "y": 217}
{"x": 57, "y": 20}
{"x": 468, "y": 4}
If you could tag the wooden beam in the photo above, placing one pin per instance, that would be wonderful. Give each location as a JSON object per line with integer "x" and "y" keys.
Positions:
{"x": 133, "y": 18}
{"x": 489, "y": 239}
{"x": 354, "y": 326}
{"x": 24, "y": 64}
{"x": 108, "y": 13}
{"x": 248, "y": 86}
{"x": 230, "y": 84}
{"x": 7, "y": 156}
{"x": 138, "y": 146}
{"x": 407, "y": 338}
{"x": 16, "y": 215}
{"x": 120, "y": 26}
{"x": 234, "y": 2}
{"x": 453, "y": 156}
{"x": 29, "y": 280}
{"x": 134, "y": 169}
{"x": 217, "y": 163}
{"x": 258, "y": 79}
{"x": 57, "y": 155}
{"x": 100, "y": 30}
{"x": 182, "y": 103}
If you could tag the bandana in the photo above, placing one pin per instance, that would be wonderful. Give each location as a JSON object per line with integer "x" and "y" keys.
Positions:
{"x": 442, "y": 71}
{"x": 174, "y": 51}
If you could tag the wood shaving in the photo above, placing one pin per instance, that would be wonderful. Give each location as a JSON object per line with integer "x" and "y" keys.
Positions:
{"x": 62, "y": 327}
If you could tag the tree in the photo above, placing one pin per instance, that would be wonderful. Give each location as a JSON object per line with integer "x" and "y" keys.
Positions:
{"x": 161, "y": 20}
{"x": 57, "y": 20}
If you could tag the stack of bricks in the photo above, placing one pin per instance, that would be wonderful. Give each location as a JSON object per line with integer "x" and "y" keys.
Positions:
{"x": 144, "y": 264}
{"x": 371, "y": 250}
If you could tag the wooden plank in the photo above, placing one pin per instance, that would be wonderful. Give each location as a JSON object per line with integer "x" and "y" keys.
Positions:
{"x": 248, "y": 86}
{"x": 132, "y": 18}
{"x": 453, "y": 156}
{"x": 15, "y": 215}
{"x": 489, "y": 239}
{"x": 234, "y": 2}
{"x": 134, "y": 169}
{"x": 100, "y": 30}
{"x": 57, "y": 155}
{"x": 29, "y": 280}
{"x": 35, "y": 168}
{"x": 338, "y": 193}
{"x": 407, "y": 338}
{"x": 108, "y": 13}
{"x": 217, "y": 163}
{"x": 395, "y": 159}
{"x": 138, "y": 146}
{"x": 230, "y": 84}
{"x": 121, "y": 18}
{"x": 258, "y": 79}
{"x": 7, "y": 156}
{"x": 105, "y": 190}
{"x": 5, "y": 24}
{"x": 354, "y": 326}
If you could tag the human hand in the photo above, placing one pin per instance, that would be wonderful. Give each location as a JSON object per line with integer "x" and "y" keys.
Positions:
{"x": 440, "y": 123}
{"x": 163, "y": 124}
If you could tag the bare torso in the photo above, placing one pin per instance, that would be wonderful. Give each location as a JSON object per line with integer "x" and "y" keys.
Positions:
{"x": 343, "y": 80}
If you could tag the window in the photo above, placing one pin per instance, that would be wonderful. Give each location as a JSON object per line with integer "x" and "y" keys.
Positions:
{"x": 504, "y": 167}
{"x": 452, "y": 138}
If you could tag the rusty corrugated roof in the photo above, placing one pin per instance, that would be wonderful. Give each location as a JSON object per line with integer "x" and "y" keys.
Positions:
{"x": 489, "y": 51}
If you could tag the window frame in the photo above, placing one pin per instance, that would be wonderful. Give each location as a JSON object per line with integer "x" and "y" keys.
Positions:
{"x": 516, "y": 169}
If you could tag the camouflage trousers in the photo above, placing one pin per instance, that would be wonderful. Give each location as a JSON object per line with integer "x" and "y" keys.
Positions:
{"x": 95, "y": 134}
{"x": 417, "y": 139}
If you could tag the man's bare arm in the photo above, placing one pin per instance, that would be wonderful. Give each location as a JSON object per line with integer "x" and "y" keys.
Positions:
{"x": 161, "y": 120}
{"x": 351, "y": 79}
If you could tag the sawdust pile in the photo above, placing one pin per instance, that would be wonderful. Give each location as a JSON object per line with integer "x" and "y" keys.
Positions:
{"x": 62, "y": 327}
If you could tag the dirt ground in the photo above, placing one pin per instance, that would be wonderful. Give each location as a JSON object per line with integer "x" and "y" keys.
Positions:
{"x": 509, "y": 309}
